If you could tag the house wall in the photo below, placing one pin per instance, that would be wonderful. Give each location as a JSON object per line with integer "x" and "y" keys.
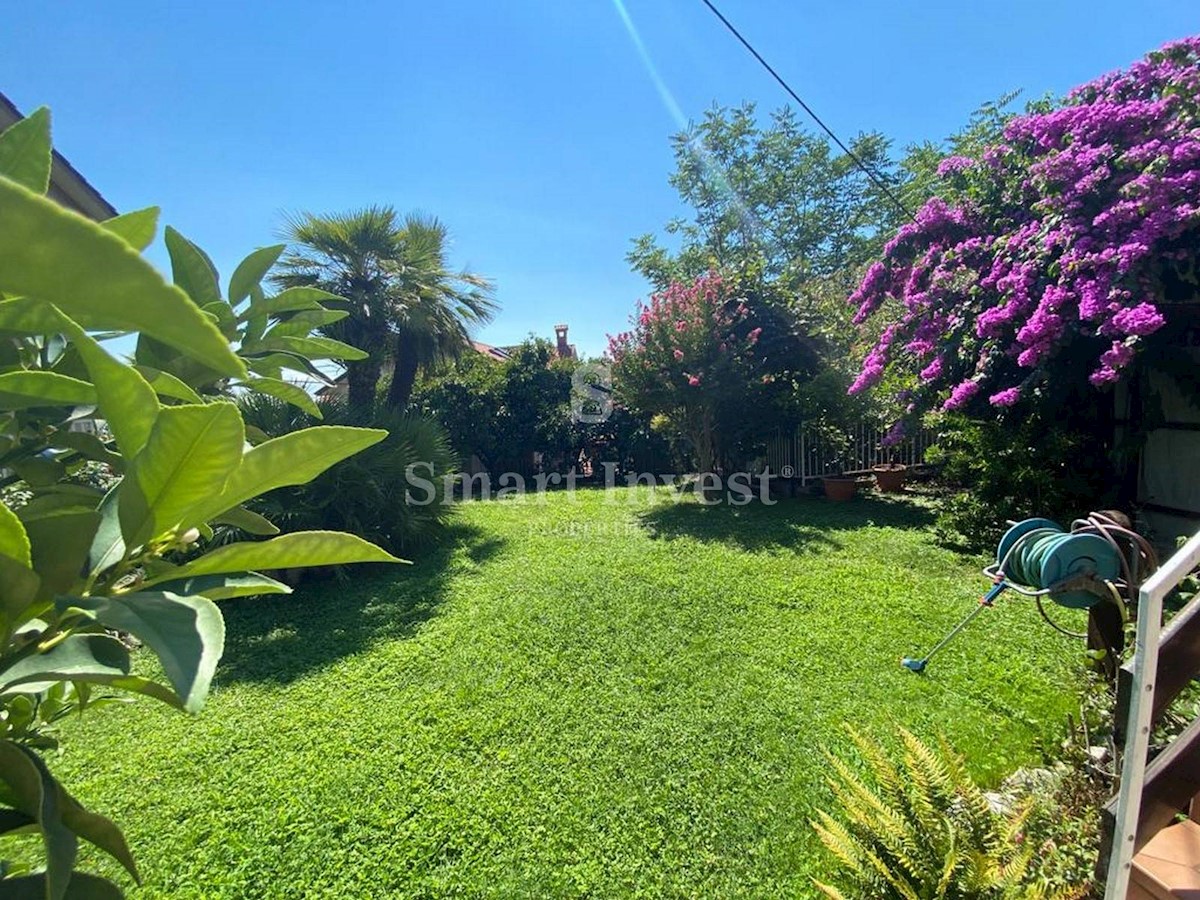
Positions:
{"x": 1168, "y": 474}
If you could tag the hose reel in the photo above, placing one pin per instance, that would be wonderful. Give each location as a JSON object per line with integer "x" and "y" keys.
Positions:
{"x": 1100, "y": 559}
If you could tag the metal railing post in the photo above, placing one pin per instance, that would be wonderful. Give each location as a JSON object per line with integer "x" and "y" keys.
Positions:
{"x": 1141, "y": 708}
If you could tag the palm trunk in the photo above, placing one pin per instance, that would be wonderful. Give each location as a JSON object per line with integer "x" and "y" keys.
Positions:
{"x": 404, "y": 375}
{"x": 362, "y": 377}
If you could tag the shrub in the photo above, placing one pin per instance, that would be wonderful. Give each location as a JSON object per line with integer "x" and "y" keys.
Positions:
{"x": 924, "y": 829}
{"x": 83, "y": 556}
{"x": 718, "y": 359}
{"x": 1016, "y": 470}
{"x": 364, "y": 495}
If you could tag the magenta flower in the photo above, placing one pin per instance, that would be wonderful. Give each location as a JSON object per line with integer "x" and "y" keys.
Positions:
{"x": 1071, "y": 222}
{"x": 894, "y": 435}
{"x": 1007, "y": 397}
{"x": 953, "y": 164}
{"x": 678, "y": 354}
{"x": 694, "y": 380}
{"x": 962, "y": 394}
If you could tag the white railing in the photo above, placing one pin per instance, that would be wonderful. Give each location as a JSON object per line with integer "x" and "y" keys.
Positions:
{"x": 805, "y": 455}
{"x": 1141, "y": 708}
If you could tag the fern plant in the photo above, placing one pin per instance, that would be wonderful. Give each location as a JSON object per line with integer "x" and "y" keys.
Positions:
{"x": 920, "y": 828}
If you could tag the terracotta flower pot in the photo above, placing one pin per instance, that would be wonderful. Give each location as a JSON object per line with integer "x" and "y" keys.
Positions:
{"x": 839, "y": 487}
{"x": 891, "y": 478}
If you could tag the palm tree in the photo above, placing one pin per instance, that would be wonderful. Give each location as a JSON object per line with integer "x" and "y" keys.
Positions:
{"x": 403, "y": 301}
{"x": 352, "y": 255}
{"x": 437, "y": 308}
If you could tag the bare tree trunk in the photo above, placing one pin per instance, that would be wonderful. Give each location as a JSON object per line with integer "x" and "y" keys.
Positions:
{"x": 705, "y": 441}
{"x": 404, "y": 375}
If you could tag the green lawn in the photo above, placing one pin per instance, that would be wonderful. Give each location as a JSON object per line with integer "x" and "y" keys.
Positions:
{"x": 569, "y": 699}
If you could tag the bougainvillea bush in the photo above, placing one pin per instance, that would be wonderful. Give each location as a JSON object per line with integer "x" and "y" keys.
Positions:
{"x": 1050, "y": 256}
{"x": 712, "y": 359}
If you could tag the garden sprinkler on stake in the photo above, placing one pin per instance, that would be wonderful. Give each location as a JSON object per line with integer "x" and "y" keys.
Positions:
{"x": 918, "y": 665}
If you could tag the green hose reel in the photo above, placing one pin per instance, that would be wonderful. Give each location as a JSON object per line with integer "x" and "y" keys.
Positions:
{"x": 1040, "y": 555}
{"x": 1039, "y": 559}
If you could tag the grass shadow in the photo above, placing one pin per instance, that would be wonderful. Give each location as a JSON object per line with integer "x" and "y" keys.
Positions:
{"x": 794, "y": 524}
{"x": 280, "y": 638}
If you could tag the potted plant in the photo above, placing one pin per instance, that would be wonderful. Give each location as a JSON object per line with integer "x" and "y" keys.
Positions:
{"x": 891, "y": 475}
{"x": 839, "y": 486}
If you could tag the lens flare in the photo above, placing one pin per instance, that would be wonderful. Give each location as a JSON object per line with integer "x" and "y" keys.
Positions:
{"x": 695, "y": 146}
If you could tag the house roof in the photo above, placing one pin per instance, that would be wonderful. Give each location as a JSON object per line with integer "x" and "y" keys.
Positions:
{"x": 67, "y": 186}
{"x": 496, "y": 353}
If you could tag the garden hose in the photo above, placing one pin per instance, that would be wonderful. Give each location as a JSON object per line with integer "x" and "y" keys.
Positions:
{"x": 1100, "y": 558}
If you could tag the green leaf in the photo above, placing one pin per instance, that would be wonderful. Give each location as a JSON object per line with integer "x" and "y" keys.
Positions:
{"x": 186, "y": 633}
{"x": 224, "y": 587}
{"x": 248, "y": 520}
{"x": 303, "y": 324}
{"x": 224, "y": 318}
{"x": 269, "y": 366}
{"x": 98, "y": 830}
{"x": 137, "y": 228}
{"x": 310, "y": 347}
{"x": 24, "y": 390}
{"x": 286, "y": 391}
{"x": 89, "y": 446}
{"x": 39, "y": 471}
{"x": 108, "y": 546}
{"x": 25, "y": 153}
{"x": 60, "y": 541}
{"x": 295, "y": 458}
{"x": 297, "y": 298}
{"x": 129, "y": 404}
{"x": 94, "y": 276}
{"x": 47, "y": 503}
{"x": 188, "y": 458}
{"x": 14, "y": 542}
{"x": 251, "y": 271}
{"x": 19, "y": 586}
{"x": 83, "y": 886}
{"x": 302, "y": 548}
{"x": 87, "y": 658}
{"x": 36, "y": 794}
{"x": 167, "y": 385}
{"x": 191, "y": 268}
{"x": 158, "y": 355}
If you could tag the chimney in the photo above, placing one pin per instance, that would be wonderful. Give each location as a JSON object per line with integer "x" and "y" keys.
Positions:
{"x": 560, "y": 335}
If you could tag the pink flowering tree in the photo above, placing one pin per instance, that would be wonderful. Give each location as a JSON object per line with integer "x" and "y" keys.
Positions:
{"x": 1057, "y": 254}
{"x": 695, "y": 355}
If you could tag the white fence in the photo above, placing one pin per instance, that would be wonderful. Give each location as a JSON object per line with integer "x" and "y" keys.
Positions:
{"x": 804, "y": 455}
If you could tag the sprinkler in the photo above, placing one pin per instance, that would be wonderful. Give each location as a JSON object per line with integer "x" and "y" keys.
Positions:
{"x": 1038, "y": 558}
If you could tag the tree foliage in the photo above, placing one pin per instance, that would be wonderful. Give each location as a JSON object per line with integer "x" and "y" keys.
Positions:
{"x": 773, "y": 198}
{"x": 79, "y": 563}
{"x": 364, "y": 495}
{"x": 506, "y": 411}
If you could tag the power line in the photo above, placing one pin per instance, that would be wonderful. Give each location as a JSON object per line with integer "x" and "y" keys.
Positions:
{"x": 875, "y": 180}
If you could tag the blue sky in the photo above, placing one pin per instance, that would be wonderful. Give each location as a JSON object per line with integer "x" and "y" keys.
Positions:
{"x": 532, "y": 127}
